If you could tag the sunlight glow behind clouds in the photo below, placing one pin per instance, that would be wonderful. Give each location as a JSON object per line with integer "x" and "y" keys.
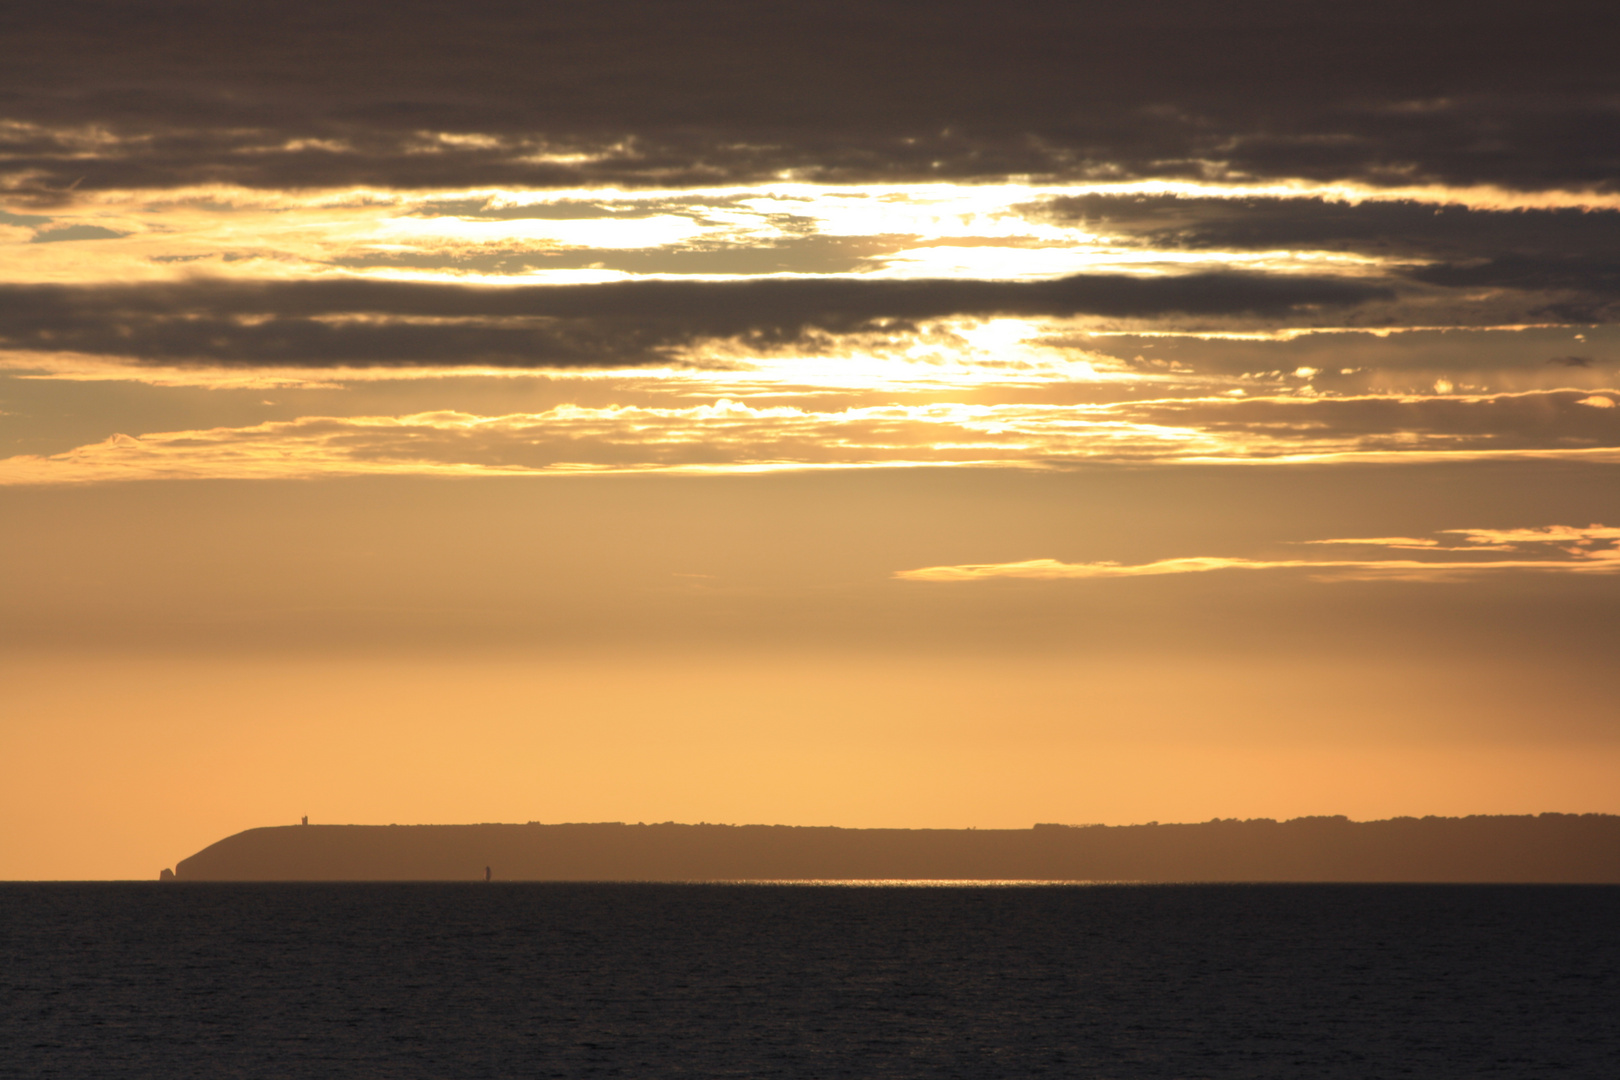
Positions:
{"x": 994, "y": 231}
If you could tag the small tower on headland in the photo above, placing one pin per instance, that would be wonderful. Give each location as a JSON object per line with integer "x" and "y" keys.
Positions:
{"x": 306, "y": 819}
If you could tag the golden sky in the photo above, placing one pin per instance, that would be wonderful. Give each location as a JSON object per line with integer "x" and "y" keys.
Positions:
{"x": 443, "y": 432}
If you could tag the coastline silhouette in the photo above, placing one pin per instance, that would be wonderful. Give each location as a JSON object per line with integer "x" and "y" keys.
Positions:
{"x": 1528, "y": 848}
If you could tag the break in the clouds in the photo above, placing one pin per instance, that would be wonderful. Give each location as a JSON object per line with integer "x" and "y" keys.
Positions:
{"x": 97, "y": 95}
{"x": 1551, "y": 549}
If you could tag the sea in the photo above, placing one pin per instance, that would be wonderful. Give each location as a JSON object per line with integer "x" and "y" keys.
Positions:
{"x": 808, "y": 980}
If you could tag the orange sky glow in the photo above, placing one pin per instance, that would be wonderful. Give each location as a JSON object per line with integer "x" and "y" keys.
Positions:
{"x": 460, "y": 474}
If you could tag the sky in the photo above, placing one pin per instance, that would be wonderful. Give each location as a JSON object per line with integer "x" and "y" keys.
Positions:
{"x": 866, "y": 414}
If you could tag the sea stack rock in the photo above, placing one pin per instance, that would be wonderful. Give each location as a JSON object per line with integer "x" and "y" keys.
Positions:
{"x": 166, "y": 875}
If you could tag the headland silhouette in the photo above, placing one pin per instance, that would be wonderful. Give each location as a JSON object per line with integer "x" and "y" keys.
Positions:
{"x": 1529, "y": 848}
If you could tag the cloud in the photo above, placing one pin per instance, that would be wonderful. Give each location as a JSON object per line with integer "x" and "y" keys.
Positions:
{"x": 733, "y": 436}
{"x": 1553, "y": 549}
{"x": 360, "y": 322}
{"x": 725, "y": 436}
{"x": 1384, "y": 541}
{"x": 1595, "y": 275}
{"x": 98, "y": 95}
{"x": 1504, "y": 539}
{"x": 75, "y": 232}
{"x": 1392, "y": 424}
{"x": 1563, "y": 263}
{"x": 1397, "y": 228}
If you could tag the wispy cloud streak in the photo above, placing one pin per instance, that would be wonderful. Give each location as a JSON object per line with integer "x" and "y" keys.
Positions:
{"x": 729, "y": 435}
{"x": 1553, "y": 549}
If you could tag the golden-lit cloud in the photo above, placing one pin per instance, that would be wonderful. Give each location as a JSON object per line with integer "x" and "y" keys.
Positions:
{"x": 728, "y": 435}
{"x": 723, "y": 436}
{"x": 1553, "y": 549}
{"x": 992, "y": 231}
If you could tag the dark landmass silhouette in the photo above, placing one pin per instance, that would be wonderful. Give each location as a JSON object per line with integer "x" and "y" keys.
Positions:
{"x": 1544, "y": 848}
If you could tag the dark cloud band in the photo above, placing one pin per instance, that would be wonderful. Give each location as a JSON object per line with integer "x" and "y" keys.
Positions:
{"x": 370, "y": 322}
{"x": 1564, "y": 263}
{"x": 1396, "y": 228}
{"x": 110, "y": 94}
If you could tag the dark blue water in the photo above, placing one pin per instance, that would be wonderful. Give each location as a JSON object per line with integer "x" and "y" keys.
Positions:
{"x": 543, "y": 980}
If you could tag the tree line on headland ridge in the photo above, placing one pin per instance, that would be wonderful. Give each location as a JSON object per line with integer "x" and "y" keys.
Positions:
{"x": 1528, "y": 848}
